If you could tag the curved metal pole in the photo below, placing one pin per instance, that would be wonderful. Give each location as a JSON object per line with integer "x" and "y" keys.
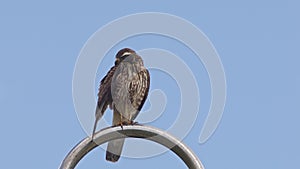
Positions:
{"x": 136, "y": 131}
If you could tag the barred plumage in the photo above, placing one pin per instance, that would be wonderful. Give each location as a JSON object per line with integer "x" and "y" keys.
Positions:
{"x": 124, "y": 89}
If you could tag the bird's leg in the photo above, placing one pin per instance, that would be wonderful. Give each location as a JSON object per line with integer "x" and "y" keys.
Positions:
{"x": 116, "y": 125}
{"x": 125, "y": 123}
{"x": 121, "y": 124}
{"x": 133, "y": 122}
{"x": 121, "y": 121}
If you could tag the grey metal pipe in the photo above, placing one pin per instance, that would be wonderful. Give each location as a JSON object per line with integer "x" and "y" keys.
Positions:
{"x": 136, "y": 131}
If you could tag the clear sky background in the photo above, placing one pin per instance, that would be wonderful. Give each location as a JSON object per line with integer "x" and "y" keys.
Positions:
{"x": 258, "y": 43}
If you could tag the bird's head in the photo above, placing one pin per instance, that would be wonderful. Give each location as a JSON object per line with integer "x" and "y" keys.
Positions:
{"x": 122, "y": 54}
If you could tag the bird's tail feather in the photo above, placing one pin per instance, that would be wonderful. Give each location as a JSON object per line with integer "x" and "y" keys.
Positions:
{"x": 114, "y": 150}
{"x": 114, "y": 147}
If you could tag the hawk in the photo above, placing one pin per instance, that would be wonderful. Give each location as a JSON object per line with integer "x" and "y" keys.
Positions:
{"x": 124, "y": 89}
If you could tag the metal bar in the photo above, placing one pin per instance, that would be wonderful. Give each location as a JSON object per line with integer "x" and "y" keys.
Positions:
{"x": 136, "y": 131}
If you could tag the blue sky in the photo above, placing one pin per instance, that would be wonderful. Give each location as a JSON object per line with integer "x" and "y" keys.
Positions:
{"x": 258, "y": 43}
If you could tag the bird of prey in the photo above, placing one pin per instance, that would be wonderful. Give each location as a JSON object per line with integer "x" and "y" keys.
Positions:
{"x": 124, "y": 89}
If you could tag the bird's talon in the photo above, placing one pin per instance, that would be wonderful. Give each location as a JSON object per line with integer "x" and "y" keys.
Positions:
{"x": 121, "y": 124}
{"x": 134, "y": 122}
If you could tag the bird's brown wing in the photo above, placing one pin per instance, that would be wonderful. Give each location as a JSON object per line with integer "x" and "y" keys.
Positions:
{"x": 138, "y": 91}
{"x": 104, "y": 96}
